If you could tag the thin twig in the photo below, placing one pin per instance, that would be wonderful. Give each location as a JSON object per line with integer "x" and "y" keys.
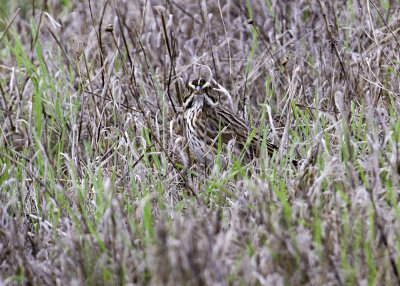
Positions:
{"x": 386, "y": 24}
{"x": 332, "y": 40}
{"x": 171, "y": 56}
{"x": 9, "y": 24}
{"x": 63, "y": 51}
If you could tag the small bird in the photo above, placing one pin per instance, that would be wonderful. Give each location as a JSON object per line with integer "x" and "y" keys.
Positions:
{"x": 206, "y": 119}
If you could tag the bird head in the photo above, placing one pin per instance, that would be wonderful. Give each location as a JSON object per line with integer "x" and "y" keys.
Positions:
{"x": 199, "y": 92}
{"x": 199, "y": 86}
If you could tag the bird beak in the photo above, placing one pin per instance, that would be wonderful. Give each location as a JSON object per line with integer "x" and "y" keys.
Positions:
{"x": 198, "y": 88}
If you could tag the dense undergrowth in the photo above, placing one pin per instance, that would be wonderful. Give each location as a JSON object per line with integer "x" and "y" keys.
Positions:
{"x": 96, "y": 183}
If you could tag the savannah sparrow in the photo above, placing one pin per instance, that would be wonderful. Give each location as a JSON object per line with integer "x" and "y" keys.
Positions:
{"x": 206, "y": 120}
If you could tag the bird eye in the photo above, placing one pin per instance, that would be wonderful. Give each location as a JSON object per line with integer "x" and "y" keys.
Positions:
{"x": 205, "y": 85}
{"x": 192, "y": 85}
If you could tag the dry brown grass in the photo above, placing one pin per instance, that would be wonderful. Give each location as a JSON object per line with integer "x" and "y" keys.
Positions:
{"x": 96, "y": 186}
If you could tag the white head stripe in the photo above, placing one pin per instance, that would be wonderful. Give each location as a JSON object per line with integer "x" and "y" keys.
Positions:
{"x": 207, "y": 84}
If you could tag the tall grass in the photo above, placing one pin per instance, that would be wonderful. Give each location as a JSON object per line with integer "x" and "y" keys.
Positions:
{"x": 97, "y": 185}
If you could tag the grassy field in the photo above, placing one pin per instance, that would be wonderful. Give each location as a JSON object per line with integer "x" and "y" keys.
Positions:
{"x": 97, "y": 186}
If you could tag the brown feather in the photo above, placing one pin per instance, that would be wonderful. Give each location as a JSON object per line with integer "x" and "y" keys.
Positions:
{"x": 206, "y": 119}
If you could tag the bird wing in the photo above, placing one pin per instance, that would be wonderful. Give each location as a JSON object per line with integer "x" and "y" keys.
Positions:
{"x": 232, "y": 127}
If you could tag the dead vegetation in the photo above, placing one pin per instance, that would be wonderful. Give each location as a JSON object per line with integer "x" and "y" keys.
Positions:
{"x": 96, "y": 185}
